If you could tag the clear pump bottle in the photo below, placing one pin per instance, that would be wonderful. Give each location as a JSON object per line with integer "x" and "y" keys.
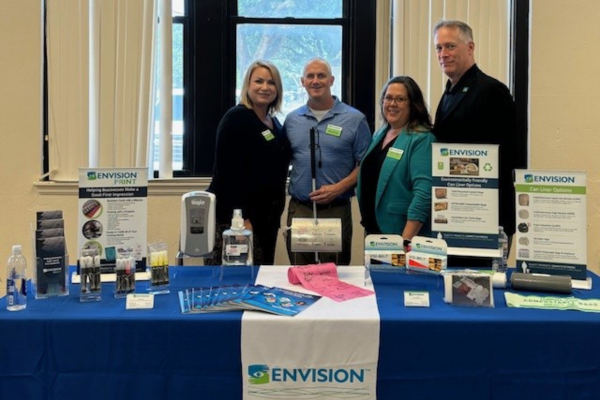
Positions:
{"x": 237, "y": 242}
{"x": 16, "y": 282}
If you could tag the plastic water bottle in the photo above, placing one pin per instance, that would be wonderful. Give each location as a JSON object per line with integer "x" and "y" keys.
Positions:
{"x": 499, "y": 264}
{"x": 237, "y": 242}
{"x": 16, "y": 282}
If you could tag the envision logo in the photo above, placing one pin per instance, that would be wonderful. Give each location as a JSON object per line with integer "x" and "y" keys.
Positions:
{"x": 529, "y": 178}
{"x": 92, "y": 175}
{"x": 426, "y": 246}
{"x": 469, "y": 153}
{"x": 382, "y": 244}
{"x": 259, "y": 374}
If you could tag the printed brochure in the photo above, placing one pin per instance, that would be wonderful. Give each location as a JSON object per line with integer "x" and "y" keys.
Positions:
{"x": 250, "y": 297}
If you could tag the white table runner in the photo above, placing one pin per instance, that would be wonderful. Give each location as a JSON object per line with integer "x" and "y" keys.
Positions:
{"x": 329, "y": 351}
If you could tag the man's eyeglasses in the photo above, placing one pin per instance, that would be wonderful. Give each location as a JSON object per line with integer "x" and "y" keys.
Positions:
{"x": 397, "y": 100}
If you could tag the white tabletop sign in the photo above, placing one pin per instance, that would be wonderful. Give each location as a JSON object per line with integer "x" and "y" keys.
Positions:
{"x": 113, "y": 211}
{"x": 464, "y": 207}
{"x": 551, "y": 235}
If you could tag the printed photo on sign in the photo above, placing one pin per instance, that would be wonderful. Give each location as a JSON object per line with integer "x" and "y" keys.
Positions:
{"x": 464, "y": 166}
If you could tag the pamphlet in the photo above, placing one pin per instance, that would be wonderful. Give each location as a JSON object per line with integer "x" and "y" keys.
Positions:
{"x": 281, "y": 301}
{"x": 250, "y": 297}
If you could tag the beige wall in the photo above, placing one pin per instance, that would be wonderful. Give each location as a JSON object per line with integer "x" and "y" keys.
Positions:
{"x": 565, "y": 98}
{"x": 564, "y": 108}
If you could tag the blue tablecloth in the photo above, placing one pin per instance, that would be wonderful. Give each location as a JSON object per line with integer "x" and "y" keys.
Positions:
{"x": 501, "y": 353}
{"x": 60, "y": 348}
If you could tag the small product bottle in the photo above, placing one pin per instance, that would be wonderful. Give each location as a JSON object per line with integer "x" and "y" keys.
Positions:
{"x": 90, "y": 275}
{"x": 499, "y": 264}
{"x": 16, "y": 282}
{"x": 237, "y": 242}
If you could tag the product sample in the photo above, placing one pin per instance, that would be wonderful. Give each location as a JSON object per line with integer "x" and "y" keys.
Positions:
{"x": 237, "y": 242}
{"x": 125, "y": 276}
{"x": 158, "y": 268}
{"x": 197, "y": 236}
{"x": 541, "y": 283}
{"x": 89, "y": 271}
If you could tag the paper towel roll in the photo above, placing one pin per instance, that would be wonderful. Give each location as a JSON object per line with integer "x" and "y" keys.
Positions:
{"x": 499, "y": 280}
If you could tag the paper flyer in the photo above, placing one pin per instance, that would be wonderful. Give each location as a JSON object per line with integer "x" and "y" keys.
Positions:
{"x": 464, "y": 205}
{"x": 113, "y": 213}
{"x": 551, "y": 303}
{"x": 551, "y": 214}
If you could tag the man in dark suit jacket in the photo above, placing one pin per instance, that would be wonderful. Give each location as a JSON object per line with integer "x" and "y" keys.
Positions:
{"x": 476, "y": 108}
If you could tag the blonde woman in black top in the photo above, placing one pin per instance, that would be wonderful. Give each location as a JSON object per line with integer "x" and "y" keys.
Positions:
{"x": 251, "y": 163}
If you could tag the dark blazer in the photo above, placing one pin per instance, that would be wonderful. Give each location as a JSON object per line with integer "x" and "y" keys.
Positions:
{"x": 482, "y": 111}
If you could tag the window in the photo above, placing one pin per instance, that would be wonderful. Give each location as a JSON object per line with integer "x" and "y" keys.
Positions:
{"x": 213, "y": 42}
{"x": 220, "y": 38}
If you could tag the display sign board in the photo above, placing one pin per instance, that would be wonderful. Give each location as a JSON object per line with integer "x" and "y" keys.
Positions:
{"x": 551, "y": 235}
{"x": 464, "y": 207}
{"x": 113, "y": 213}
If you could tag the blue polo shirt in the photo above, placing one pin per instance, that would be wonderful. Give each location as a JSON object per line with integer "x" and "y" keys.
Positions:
{"x": 342, "y": 137}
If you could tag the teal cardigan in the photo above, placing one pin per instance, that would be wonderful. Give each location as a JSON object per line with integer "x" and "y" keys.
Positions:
{"x": 404, "y": 185}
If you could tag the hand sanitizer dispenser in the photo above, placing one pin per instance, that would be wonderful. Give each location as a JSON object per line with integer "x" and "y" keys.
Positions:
{"x": 197, "y": 224}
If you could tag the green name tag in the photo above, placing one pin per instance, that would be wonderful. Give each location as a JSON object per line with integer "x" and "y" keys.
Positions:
{"x": 268, "y": 135}
{"x": 334, "y": 130}
{"x": 394, "y": 153}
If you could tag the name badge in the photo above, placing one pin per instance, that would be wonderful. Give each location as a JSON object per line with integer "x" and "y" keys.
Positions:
{"x": 268, "y": 135}
{"x": 334, "y": 130}
{"x": 394, "y": 153}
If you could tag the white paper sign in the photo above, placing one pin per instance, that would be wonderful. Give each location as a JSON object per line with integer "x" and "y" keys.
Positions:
{"x": 464, "y": 205}
{"x": 325, "y": 235}
{"x": 551, "y": 235}
{"x": 416, "y": 299}
{"x": 136, "y": 301}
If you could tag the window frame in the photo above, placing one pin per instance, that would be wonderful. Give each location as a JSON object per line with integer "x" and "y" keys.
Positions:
{"x": 198, "y": 150}
{"x": 210, "y": 84}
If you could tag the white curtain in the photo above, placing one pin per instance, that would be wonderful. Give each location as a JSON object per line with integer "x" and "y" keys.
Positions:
{"x": 383, "y": 49}
{"x": 100, "y": 75}
{"x": 413, "y": 53}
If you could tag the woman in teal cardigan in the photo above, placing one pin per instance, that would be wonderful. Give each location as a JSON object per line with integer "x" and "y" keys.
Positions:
{"x": 394, "y": 181}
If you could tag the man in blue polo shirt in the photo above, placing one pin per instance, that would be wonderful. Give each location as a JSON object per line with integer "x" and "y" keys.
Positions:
{"x": 342, "y": 137}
